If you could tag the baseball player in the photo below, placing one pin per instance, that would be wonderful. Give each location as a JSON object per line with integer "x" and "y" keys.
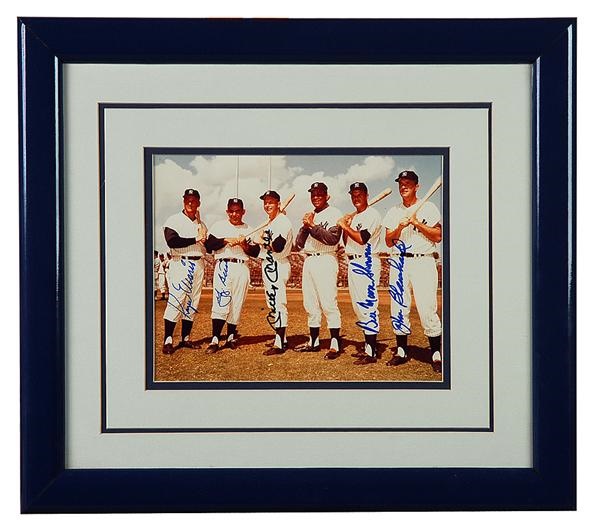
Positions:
{"x": 165, "y": 265}
{"x": 161, "y": 276}
{"x": 185, "y": 235}
{"x": 412, "y": 238}
{"x": 319, "y": 236}
{"x": 156, "y": 268}
{"x": 231, "y": 275}
{"x": 274, "y": 247}
{"x": 361, "y": 239}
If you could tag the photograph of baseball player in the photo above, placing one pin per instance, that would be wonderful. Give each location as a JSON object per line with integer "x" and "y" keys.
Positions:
{"x": 412, "y": 229}
{"x": 159, "y": 276}
{"x": 227, "y": 242}
{"x": 185, "y": 234}
{"x": 361, "y": 231}
{"x": 273, "y": 246}
{"x": 318, "y": 238}
{"x": 297, "y": 282}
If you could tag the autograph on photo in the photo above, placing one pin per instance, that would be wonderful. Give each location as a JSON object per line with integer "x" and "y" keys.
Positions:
{"x": 397, "y": 289}
{"x": 372, "y": 324}
{"x": 272, "y": 275}
{"x": 185, "y": 287}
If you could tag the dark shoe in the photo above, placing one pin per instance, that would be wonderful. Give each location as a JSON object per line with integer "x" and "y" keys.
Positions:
{"x": 193, "y": 344}
{"x": 232, "y": 344}
{"x": 332, "y": 354}
{"x": 212, "y": 348}
{"x": 168, "y": 349}
{"x": 274, "y": 351}
{"x": 396, "y": 360}
{"x": 307, "y": 347}
{"x": 437, "y": 366}
{"x": 365, "y": 359}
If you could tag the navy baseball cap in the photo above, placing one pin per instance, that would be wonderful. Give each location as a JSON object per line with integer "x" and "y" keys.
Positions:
{"x": 410, "y": 175}
{"x": 358, "y": 186}
{"x": 318, "y": 186}
{"x": 235, "y": 200}
{"x": 270, "y": 193}
{"x": 192, "y": 192}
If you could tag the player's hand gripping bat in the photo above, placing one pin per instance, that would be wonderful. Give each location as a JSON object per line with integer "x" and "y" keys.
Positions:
{"x": 412, "y": 211}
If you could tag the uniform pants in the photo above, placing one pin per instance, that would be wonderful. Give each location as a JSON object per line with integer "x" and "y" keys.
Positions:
{"x": 185, "y": 287}
{"x": 319, "y": 290}
{"x": 363, "y": 279}
{"x": 230, "y": 286}
{"x": 421, "y": 274}
{"x": 275, "y": 275}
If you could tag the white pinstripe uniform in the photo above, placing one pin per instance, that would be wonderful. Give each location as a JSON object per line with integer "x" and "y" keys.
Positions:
{"x": 364, "y": 269}
{"x": 276, "y": 269}
{"x": 186, "y": 270}
{"x": 418, "y": 271}
{"x": 319, "y": 274}
{"x": 231, "y": 276}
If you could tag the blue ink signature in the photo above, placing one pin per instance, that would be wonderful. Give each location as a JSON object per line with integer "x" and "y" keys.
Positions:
{"x": 223, "y": 296}
{"x": 372, "y": 324}
{"x": 272, "y": 275}
{"x": 185, "y": 287}
{"x": 397, "y": 289}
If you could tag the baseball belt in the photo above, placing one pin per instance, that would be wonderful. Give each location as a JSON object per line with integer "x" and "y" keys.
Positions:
{"x": 194, "y": 258}
{"x": 319, "y": 253}
{"x": 231, "y": 260}
{"x": 435, "y": 255}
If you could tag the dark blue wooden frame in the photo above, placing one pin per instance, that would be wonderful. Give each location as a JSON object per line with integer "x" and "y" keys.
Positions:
{"x": 45, "y": 44}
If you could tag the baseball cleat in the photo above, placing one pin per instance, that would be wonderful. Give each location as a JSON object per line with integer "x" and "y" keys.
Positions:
{"x": 365, "y": 359}
{"x": 437, "y": 366}
{"x": 396, "y": 360}
{"x": 168, "y": 349}
{"x": 193, "y": 344}
{"x": 232, "y": 344}
{"x": 332, "y": 354}
{"x": 212, "y": 348}
{"x": 307, "y": 347}
{"x": 274, "y": 351}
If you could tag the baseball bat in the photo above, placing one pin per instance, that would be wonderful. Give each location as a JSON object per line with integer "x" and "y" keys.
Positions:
{"x": 379, "y": 197}
{"x": 417, "y": 206}
{"x": 282, "y": 207}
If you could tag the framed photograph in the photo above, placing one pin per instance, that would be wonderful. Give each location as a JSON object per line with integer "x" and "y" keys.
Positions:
{"x": 283, "y": 274}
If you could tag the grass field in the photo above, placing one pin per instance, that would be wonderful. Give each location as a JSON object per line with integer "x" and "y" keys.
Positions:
{"x": 247, "y": 362}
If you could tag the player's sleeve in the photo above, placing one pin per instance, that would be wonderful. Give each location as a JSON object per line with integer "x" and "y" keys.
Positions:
{"x": 302, "y": 236}
{"x": 327, "y": 236}
{"x": 214, "y": 243}
{"x": 389, "y": 220}
{"x": 280, "y": 233}
{"x": 373, "y": 228}
{"x": 432, "y": 215}
{"x": 174, "y": 240}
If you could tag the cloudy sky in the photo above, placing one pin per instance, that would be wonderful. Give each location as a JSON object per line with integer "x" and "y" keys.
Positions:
{"x": 215, "y": 178}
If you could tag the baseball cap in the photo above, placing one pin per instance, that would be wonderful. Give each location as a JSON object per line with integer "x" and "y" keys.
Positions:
{"x": 411, "y": 175}
{"x": 358, "y": 186}
{"x": 270, "y": 193}
{"x": 235, "y": 200}
{"x": 191, "y": 192}
{"x": 318, "y": 186}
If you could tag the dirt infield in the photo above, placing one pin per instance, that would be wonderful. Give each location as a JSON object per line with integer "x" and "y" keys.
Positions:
{"x": 247, "y": 362}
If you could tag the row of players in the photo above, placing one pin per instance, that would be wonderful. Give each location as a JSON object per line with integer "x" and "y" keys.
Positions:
{"x": 409, "y": 234}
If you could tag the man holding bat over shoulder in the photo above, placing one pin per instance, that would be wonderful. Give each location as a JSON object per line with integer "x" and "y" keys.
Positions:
{"x": 411, "y": 231}
{"x": 361, "y": 232}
